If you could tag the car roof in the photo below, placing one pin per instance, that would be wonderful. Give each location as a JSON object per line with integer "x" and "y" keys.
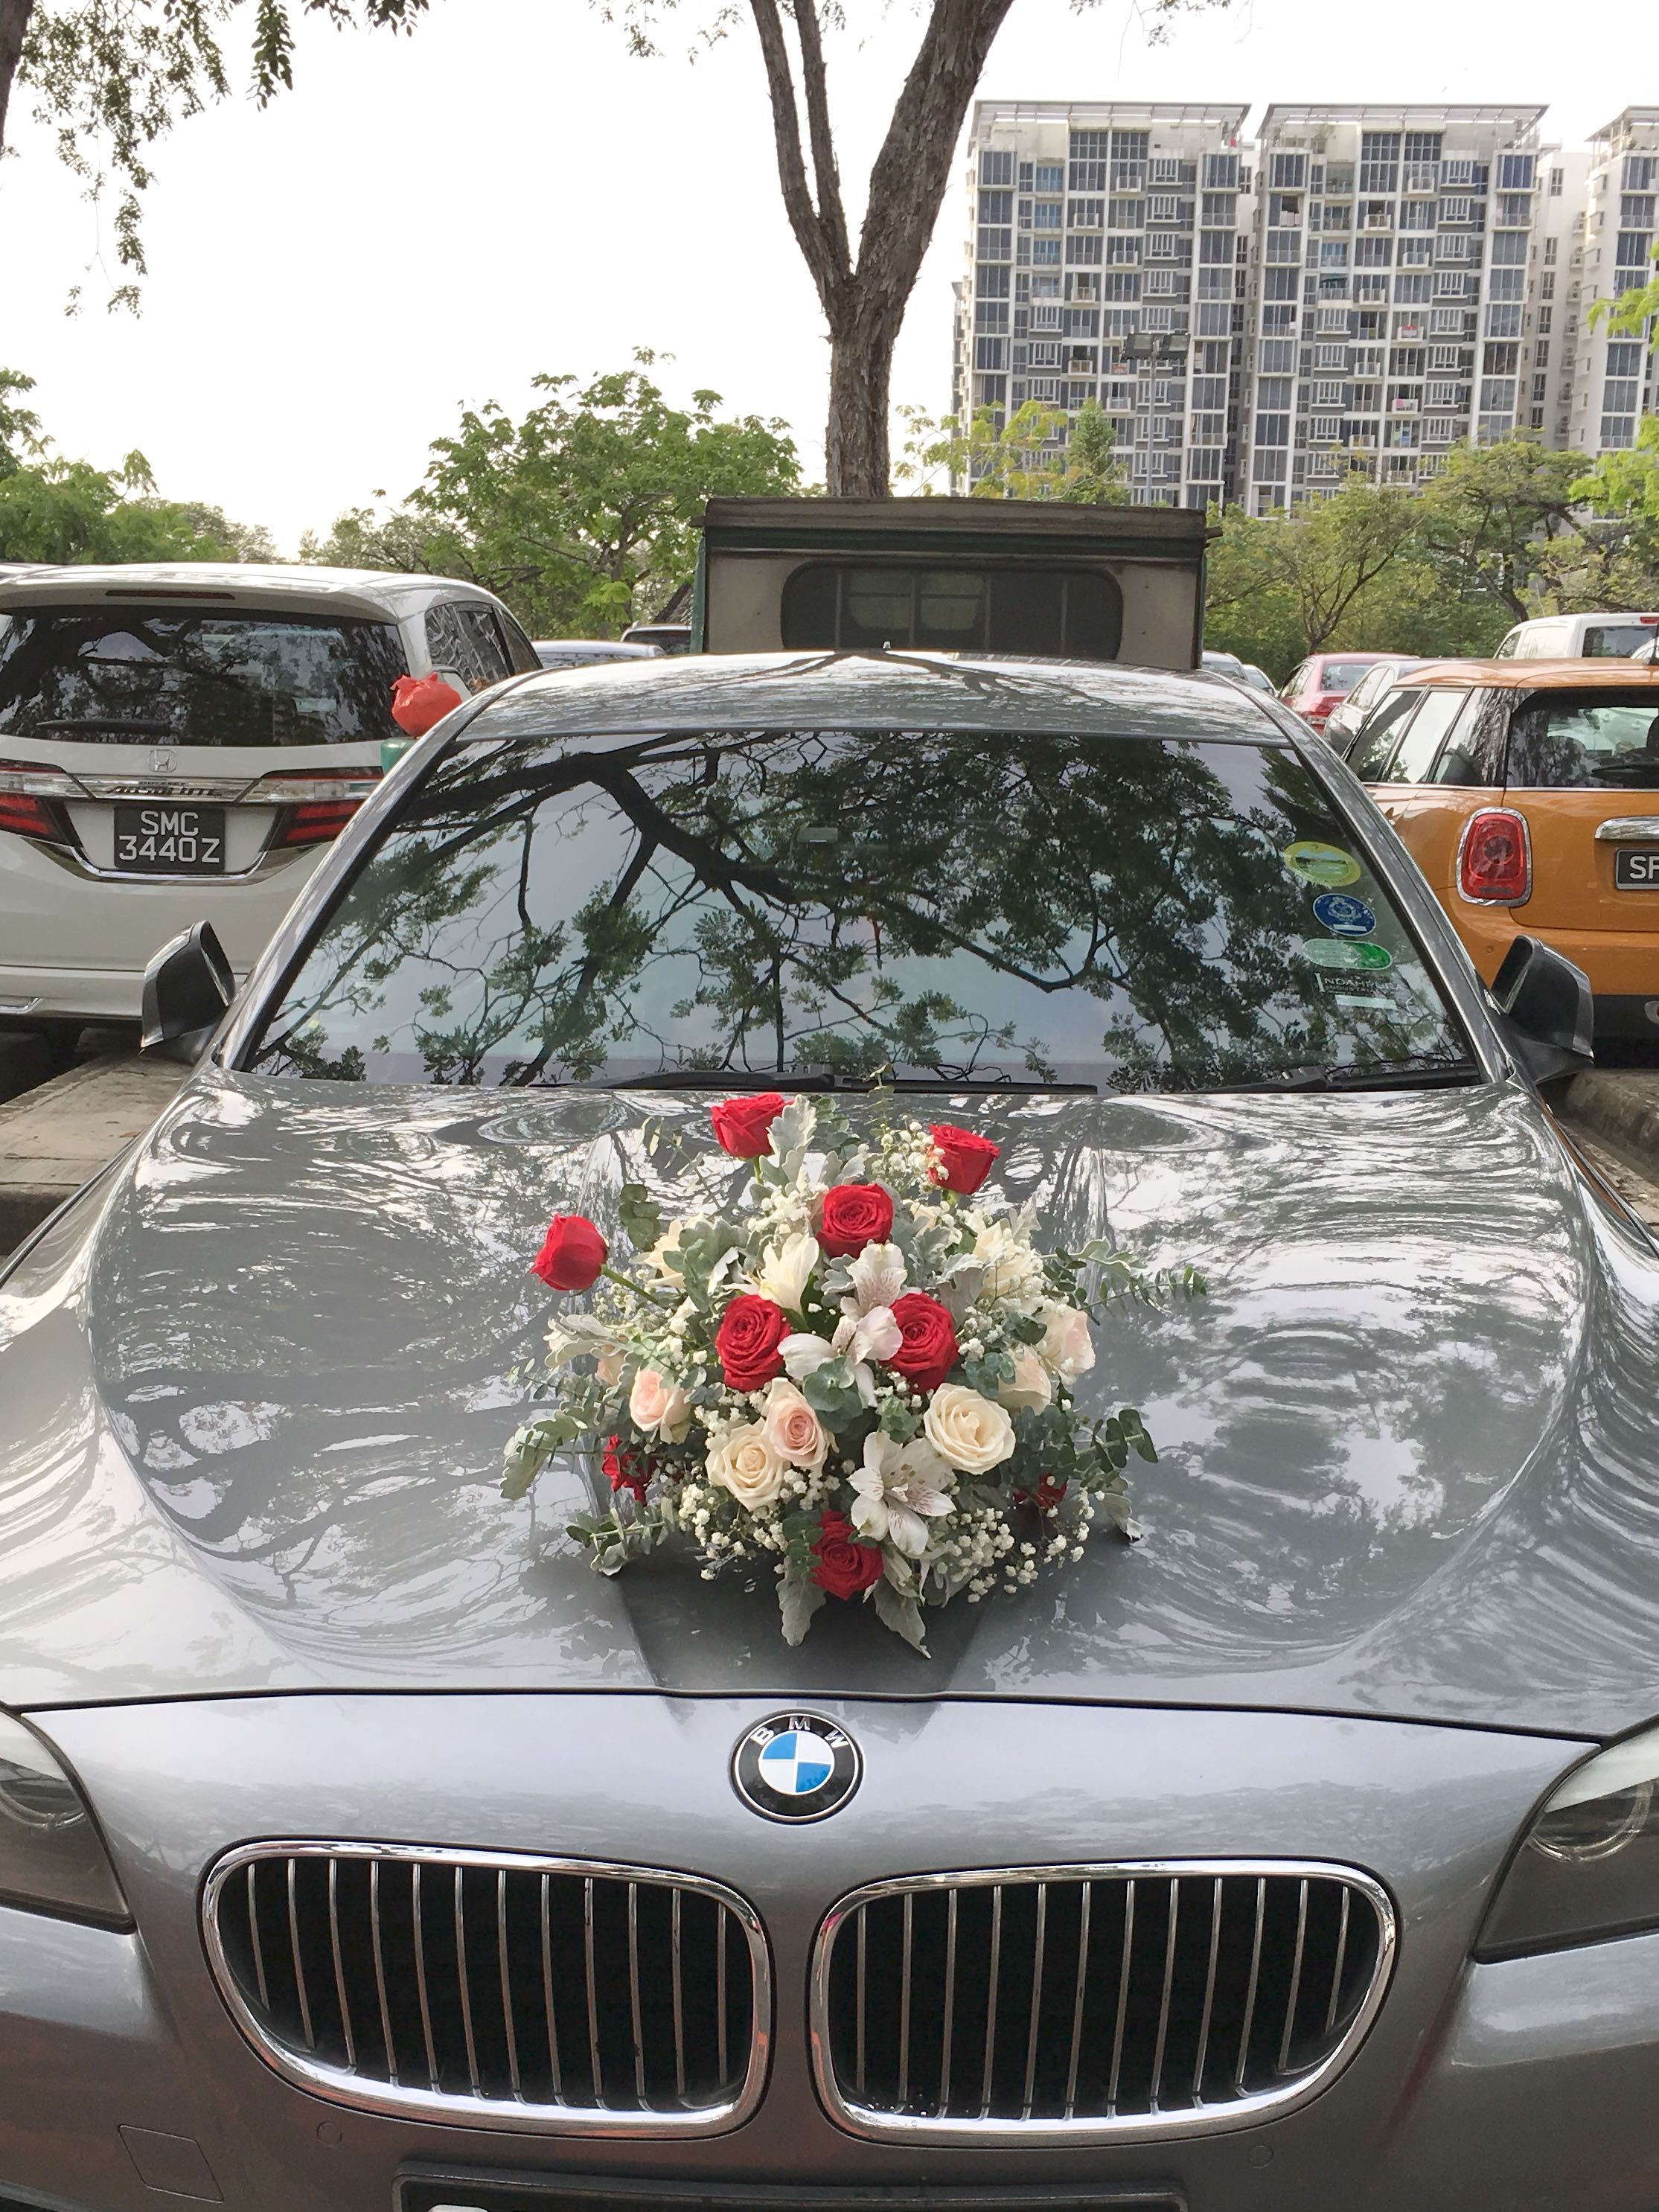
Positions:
{"x": 1358, "y": 655}
{"x": 915, "y": 690}
{"x": 372, "y": 592}
{"x": 1541, "y": 675}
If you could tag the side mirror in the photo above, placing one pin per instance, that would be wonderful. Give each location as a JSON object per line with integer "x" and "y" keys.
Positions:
{"x": 187, "y": 987}
{"x": 1549, "y": 1007}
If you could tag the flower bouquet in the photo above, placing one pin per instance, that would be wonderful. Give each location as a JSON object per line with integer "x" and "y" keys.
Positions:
{"x": 855, "y": 1366}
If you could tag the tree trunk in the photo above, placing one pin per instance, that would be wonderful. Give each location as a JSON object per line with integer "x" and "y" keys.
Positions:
{"x": 14, "y": 22}
{"x": 861, "y": 372}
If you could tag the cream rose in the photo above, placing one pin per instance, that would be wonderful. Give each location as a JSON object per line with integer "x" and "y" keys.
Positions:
{"x": 659, "y": 1406}
{"x": 792, "y": 1428}
{"x": 1030, "y": 1386}
{"x": 968, "y": 1431}
{"x": 1066, "y": 1344}
{"x": 746, "y": 1465}
{"x": 1013, "y": 1272}
{"x": 609, "y": 1366}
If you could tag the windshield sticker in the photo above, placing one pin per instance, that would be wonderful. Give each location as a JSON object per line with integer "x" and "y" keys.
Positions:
{"x": 1343, "y": 915}
{"x": 1355, "y": 999}
{"x": 1337, "y": 952}
{"x": 1327, "y": 865}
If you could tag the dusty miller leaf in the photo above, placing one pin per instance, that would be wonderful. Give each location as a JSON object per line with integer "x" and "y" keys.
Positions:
{"x": 901, "y": 1613}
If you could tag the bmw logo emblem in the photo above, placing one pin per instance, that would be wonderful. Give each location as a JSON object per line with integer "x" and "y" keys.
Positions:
{"x": 796, "y": 1767}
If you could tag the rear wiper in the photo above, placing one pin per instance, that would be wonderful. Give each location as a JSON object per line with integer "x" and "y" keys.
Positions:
{"x": 1362, "y": 1079}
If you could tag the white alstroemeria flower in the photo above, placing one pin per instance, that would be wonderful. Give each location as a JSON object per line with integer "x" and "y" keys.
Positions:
{"x": 861, "y": 1337}
{"x": 898, "y": 1491}
{"x": 803, "y": 1354}
{"x": 877, "y": 1275}
{"x": 572, "y": 1334}
{"x": 873, "y": 1335}
{"x": 784, "y": 1272}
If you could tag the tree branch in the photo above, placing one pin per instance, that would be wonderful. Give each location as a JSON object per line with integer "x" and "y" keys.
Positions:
{"x": 829, "y": 273}
{"x": 832, "y": 216}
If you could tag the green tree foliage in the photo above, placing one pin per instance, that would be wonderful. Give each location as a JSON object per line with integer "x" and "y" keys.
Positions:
{"x": 1029, "y": 455}
{"x": 581, "y": 515}
{"x": 61, "y": 511}
{"x": 109, "y": 77}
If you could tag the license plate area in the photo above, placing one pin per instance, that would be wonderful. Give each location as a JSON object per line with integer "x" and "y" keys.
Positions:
{"x": 158, "y": 837}
{"x": 484, "y": 2189}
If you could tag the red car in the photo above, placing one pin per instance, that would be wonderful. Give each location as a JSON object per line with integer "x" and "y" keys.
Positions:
{"x": 1325, "y": 679}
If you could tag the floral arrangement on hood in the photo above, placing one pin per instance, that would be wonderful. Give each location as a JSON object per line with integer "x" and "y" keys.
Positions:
{"x": 855, "y": 1366}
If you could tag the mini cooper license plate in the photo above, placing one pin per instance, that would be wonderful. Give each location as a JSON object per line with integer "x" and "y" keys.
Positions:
{"x": 1636, "y": 868}
{"x": 161, "y": 839}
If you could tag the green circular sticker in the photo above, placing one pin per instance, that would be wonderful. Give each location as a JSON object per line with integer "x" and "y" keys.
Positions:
{"x": 1343, "y": 953}
{"x": 1328, "y": 865}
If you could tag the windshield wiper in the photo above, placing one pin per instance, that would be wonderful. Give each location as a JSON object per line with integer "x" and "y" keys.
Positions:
{"x": 110, "y": 722}
{"x": 1362, "y": 1079}
{"x": 817, "y": 1078}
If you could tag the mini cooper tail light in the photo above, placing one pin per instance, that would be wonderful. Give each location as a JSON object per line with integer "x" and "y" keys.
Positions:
{"x": 1494, "y": 859}
{"x": 24, "y": 785}
{"x": 317, "y": 806}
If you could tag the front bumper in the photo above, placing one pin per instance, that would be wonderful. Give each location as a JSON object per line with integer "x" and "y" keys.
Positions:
{"x": 1526, "y": 2084}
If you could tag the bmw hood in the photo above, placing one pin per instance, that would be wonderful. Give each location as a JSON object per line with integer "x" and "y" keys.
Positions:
{"x": 254, "y": 1390}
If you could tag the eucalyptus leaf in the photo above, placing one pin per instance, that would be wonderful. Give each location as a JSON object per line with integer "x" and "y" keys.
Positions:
{"x": 639, "y": 1215}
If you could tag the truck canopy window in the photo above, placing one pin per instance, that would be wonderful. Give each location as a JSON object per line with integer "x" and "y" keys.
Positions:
{"x": 1074, "y": 612}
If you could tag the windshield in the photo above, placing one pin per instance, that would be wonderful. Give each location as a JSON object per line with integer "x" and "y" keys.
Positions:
{"x": 136, "y": 676}
{"x": 1616, "y": 641}
{"x": 952, "y": 906}
{"x": 1341, "y": 676}
{"x": 1586, "y": 740}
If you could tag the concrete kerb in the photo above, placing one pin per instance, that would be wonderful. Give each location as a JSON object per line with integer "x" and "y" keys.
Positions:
{"x": 56, "y": 1137}
{"x": 1622, "y": 1108}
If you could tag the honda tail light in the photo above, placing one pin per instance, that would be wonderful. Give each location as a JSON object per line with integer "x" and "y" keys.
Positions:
{"x": 1494, "y": 861}
{"x": 25, "y": 785}
{"x": 317, "y": 804}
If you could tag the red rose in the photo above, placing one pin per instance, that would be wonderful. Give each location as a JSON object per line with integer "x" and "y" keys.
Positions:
{"x": 844, "y": 1566}
{"x": 964, "y": 1159}
{"x": 573, "y": 1252}
{"x": 927, "y": 1348}
{"x": 743, "y": 1126}
{"x": 747, "y": 1342}
{"x": 625, "y": 1470}
{"x": 854, "y": 1214}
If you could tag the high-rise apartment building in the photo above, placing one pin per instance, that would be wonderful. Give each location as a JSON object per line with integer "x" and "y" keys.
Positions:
{"x": 1383, "y": 282}
{"x": 1391, "y": 260}
{"x": 1104, "y": 266}
{"x": 1613, "y": 379}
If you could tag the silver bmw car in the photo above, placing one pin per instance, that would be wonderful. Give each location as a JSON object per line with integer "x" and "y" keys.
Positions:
{"x": 363, "y": 1851}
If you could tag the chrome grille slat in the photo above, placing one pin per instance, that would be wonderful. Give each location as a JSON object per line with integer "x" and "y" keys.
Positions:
{"x": 1094, "y": 2002}
{"x": 547, "y": 1995}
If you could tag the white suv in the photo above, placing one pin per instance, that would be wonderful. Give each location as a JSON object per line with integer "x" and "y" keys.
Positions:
{"x": 179, "y": 742}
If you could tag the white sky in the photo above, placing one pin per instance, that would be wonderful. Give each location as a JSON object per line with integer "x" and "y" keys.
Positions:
{"x": 427, "y": 223}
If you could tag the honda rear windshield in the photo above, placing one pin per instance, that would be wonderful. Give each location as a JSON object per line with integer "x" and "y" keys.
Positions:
{"x": 1342, "y": 674}
{"x": 134, "y": 676}
{"x": 952, "y": 906}
{"x": 1596, "y": 740}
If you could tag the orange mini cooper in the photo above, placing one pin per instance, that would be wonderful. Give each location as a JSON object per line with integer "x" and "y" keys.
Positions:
{"x": 1527, "y": 792}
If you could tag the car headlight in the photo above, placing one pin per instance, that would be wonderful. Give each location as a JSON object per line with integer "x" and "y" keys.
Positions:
{"x": 1589, "y": 1865}
{"x": 51, "y": 1856}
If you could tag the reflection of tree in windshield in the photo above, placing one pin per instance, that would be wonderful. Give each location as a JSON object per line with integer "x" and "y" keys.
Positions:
{"x": 957, "y": 903}
{"x": 219, "y": 679}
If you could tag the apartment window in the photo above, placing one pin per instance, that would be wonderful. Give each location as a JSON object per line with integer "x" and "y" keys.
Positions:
{"x": 996, "y": 169}
{"x": 1457, "y": 210}
{"x": 1273, "y": 430}
{"x": 1497, "y": 392}
{"x": 1501, "y": 360}
{"x": 1549, "y": 253}
{"x": 1417, "y": 215}
{"x": 1541, "y": 386}
{"x": 1046, "y": 315}
{"x": 1168, "y": 283}
{"x": 1126, "y": 215}
{"x": 1625, "y": 359}
{"x": 1542, "y": 351}
{"x": 1045, "y": 252}
{"x": 1221, "y": 172}
{"x": 1641, "y": 173}
{"x": 1618, "y": 431}
{"x": 1215, "y": 248}
{"x": 1218, "y": 208}
{"x": 1441, "y": 392}
{"x": 1287, "y": 172}
{"x": 993, "y": 244}
{"x": 1046, "y": 287}
{"x": 1283, "y": 210}
{"x": 1632, "y": 252}
{"x": 1546, "y": 286}
{"x": 991, "y": 315}
{"x": 991, "y": 282}
{"x": 996, "y": 207}
{"x": 1336, "y": 215}
{"x": 1415, "y": 252}
{"x": 1122, "y": 285}
{"x": 1513, "y": 210}
{"x": 1045, "y": 215}
{"x": 1636, "y": 211}
{"x": 1508, "y": 249}
{"x": 990, "y": 391}
{"x": 1086, "y": 215}
{"x": 1162, "y": 207}
{"x": 1160, "y": 319}
{"x": 1274, "y": 391}
{"x": 1166, "y": 171}
{"x": 1050, "y": 178}
{"x": 1278, "y": 317}
{"x": 1327, "y": 392}
{"x": 1507, "y": 284}
{"x": 1086, "y": 177}
{"x": 1283, "y": 245}
{"x": 1620, "y": 396}
{"x": 1027, "y": 176}
{"x": 1084, "y": 285}
{"x": 1502, "y": 322}
{"x": 1515, "y": 173}
{"x": 1459, "y": 171}
{"x": 1419, "y": 147}
{"x": 1439, "y": 430}
{"x": 1162, "y": 244}
{"x": 1372, "y": 252}
{"x": 1413, "y": 288}
{"x": 1209, "y": 392}
{"x": 1089, "y": 146}
{"x": 1084, "y": 248}
{"x": 1445, "y": 356}
{"x": 1130, "y": 145}
{"x": 1334, "y": 253}
{"x": 1558, "y": 178}
{"x": 990, "y": 353}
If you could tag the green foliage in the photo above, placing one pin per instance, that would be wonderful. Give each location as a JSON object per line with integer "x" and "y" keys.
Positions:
{"x": 109, "y": 77}
{"x": 20, "y": 429}
{"x": 1026, "y": 455}
{"x": 580, "y": 516}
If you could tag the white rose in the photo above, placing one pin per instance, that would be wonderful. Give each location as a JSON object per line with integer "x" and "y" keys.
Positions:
{"x": 744, "y": 1464}
{"x": 968, "y": 1431}
{"x": 608, "y": 1366}
{"x": 792, "y": 1428}
{"x": 1066, "y": 1344}
{"x": 659, "y": 1407}
{"x": 1013, "y": 1272}
{"x": 783, "y": 1275}
{"x": 1030, "y": 1386}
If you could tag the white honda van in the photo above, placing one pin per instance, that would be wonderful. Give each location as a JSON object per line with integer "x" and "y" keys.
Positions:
{"x": 1579, "y": 637}
{"x": 181, "y": 742}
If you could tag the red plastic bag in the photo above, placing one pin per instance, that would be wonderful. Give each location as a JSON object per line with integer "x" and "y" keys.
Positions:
{"x": 420, "y": 703}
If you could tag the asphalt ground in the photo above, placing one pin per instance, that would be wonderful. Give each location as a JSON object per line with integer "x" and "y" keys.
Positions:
{"x": 63, "y": 1113}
